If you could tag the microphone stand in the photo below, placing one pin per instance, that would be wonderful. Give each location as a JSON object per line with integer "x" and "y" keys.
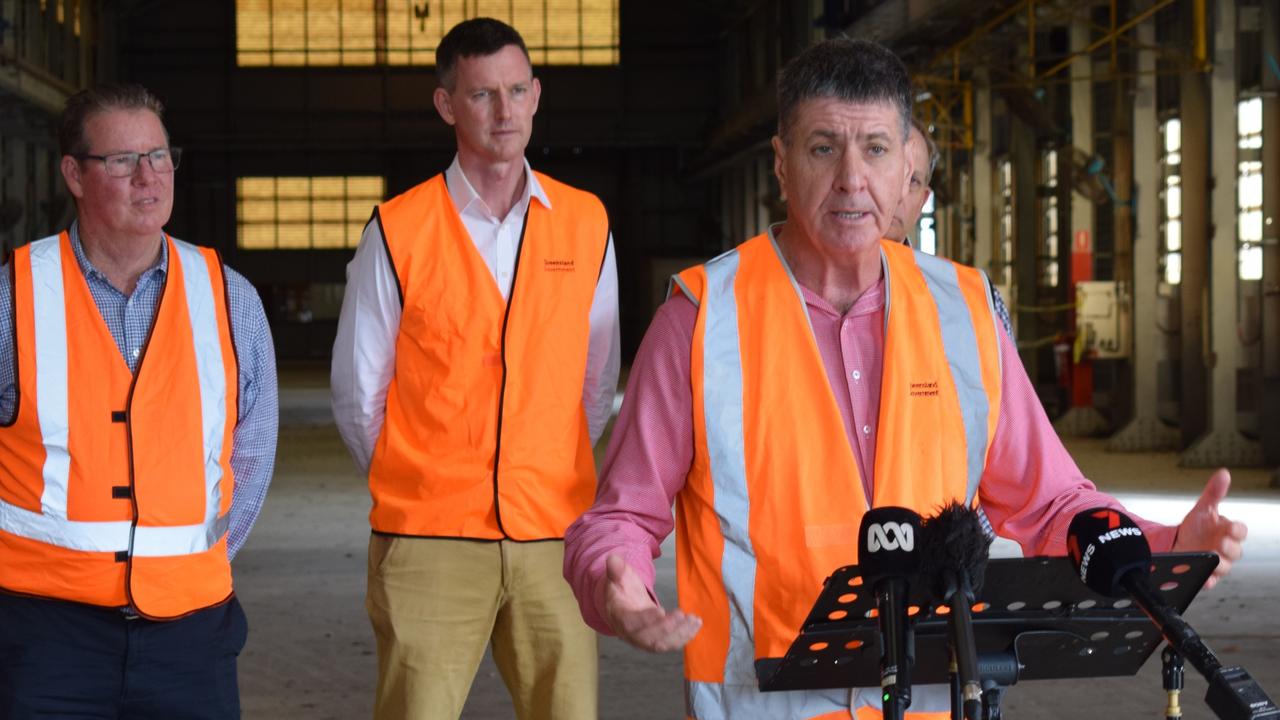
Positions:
{"x": 1172, "y": 672}
{"x": 895, "y": 681}
{"x": 1233, "y": 694}
{"x": 953, "y": 677}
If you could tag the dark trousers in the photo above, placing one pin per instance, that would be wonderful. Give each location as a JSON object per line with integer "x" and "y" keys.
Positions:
{"x": 67, "y": 661}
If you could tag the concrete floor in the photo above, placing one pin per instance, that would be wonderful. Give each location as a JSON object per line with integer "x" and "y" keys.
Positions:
{"x": 310, "y": 653}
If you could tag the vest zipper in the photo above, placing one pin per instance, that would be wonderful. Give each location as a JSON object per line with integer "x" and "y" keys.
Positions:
{"x": 502, "y": 388}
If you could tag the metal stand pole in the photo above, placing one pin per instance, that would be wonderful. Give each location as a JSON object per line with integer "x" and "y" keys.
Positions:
{"x": 1172, "y": 674}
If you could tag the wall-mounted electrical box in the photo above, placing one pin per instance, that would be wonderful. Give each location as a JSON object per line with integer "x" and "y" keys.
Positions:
{"x": 1102, "y": 319}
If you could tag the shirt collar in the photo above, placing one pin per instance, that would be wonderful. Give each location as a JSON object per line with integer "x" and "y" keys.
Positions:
{"x": 87, "y": 268}
{"x": 464, "y": 194}
{"x": 871, "y": 300}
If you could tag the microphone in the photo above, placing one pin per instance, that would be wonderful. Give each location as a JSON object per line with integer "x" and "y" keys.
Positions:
{"x": 953, "y": 563}
{"x": 1113, "y": 559}
{"x": 888, "y": 558}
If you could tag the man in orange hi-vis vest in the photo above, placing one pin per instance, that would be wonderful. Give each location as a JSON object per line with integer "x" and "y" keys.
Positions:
{"x": 794, "y": 382}
{"x": 475, "y": 366}
{"x": 138, "y": 422}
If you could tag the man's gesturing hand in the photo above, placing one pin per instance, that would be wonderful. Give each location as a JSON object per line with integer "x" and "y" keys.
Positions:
{"x": 1203, "y": 529}
{"x": 637, "y": 618}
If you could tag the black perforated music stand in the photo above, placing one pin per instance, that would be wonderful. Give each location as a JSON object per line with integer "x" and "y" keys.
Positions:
{"x": 1035, "y": 610}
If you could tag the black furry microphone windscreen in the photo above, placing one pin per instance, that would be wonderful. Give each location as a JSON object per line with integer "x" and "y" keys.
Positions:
{"x": 953, "y": 545}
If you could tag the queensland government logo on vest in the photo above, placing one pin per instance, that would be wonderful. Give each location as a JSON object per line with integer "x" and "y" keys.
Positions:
{"x": 557, "y": 266}
{"x": 924, "y": 389}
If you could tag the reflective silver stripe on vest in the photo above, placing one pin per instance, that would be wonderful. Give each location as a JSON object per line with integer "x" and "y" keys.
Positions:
{"x": 722, "y": 403}
{"x": 180, "y": 539}
{"x": 111, "y": 536}
{"x": 960, "y": 343}
{"x": 207, "y": 342}
{"x": 49, "y": 305}
{"x": 713, "y": 701}
{"x": 996, "y": 325}
{"x": 934, "y": 698}
{"x": 51, "y": 525}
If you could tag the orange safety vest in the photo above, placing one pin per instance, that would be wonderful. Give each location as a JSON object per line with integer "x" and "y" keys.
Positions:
{"x": 773, "y": 498}
{"x": 486, "y": 435}
{"x": 115, "y": 487}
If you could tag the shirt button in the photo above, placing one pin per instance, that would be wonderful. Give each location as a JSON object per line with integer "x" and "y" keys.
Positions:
{"x": 136, "y": 351}
{"x": 866, "y": 429}
{"x": 857, "y": 375}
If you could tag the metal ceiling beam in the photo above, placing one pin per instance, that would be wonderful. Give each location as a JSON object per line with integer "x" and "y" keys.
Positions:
{"x": 33, "y": 84}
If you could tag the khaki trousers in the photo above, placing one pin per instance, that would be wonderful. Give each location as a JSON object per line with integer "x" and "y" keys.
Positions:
{"x": 436, "y": 603}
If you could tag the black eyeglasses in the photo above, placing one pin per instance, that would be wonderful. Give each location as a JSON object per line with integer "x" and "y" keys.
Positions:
{"x": 163, "y": 160}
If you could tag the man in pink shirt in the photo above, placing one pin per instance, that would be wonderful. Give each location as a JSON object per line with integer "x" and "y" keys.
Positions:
{"x": 842, "y": 165}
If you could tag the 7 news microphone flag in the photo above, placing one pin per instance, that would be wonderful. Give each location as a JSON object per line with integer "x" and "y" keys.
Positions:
{"x": 1113, "y": 558}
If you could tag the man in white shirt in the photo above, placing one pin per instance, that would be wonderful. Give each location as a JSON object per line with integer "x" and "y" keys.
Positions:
{"x": 475, "y": 365}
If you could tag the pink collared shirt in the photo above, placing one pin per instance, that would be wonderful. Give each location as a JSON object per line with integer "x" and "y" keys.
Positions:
{"x": 1030, "y": 490}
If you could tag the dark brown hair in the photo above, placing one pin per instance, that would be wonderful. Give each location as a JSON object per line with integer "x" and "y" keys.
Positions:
{"x": 477, "y": 37}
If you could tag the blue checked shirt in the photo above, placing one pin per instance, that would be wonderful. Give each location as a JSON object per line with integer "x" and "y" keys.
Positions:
{"x": 253, "y": 450}
{"x": 1002, "y": 312}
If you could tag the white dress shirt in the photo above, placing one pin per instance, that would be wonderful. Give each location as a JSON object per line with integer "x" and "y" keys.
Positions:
{"x": 364, "y": 352}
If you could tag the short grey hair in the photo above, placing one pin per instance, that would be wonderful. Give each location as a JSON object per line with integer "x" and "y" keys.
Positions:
{"x": 930, "y": 146}
{"x": 846, "y": 69}
{"x": 104, "y": 98}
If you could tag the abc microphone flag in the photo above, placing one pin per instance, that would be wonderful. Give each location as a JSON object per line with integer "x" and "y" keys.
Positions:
{"x": 887, "y": 543}
{"x": 888, "y": 558}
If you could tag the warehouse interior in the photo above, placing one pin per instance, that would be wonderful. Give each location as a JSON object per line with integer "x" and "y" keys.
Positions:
{"x": 1112, "y": 165}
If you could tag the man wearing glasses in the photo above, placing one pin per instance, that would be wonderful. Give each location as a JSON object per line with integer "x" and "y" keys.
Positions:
{"x": 138, "y": 416}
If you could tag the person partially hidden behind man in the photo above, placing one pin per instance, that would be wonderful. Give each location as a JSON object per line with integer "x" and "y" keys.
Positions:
{"x": 924, "y": 155}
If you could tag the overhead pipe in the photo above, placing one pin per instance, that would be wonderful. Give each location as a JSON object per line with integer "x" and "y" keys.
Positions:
{"x": 1111, "y": 35}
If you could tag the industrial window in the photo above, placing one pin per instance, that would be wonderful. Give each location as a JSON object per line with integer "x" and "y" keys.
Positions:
{"x": 60, "y": 12}
{"x": 927, "y": 227}
{"x": 1249, "y": 187}
{"x": 406, "y": 32}
{"x": 1049, "y": 231}
{"x": 304, "y": 213}
{"x": 1005, "y": 245}
{"x": 1171, "y": 206}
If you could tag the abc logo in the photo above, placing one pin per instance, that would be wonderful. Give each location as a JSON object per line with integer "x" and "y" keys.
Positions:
{"x": 891, "y": 536}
